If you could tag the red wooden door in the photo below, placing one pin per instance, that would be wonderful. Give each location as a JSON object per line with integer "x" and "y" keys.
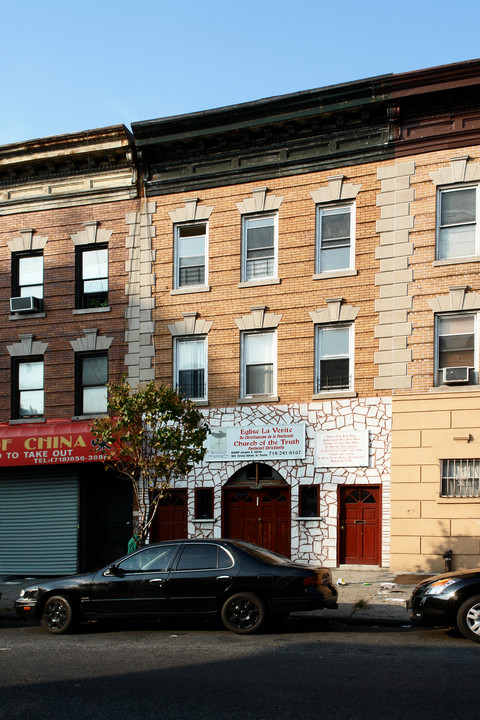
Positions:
{"x": 359, "y": 536}
{"x": 170, "y": 521}
{"x": 259, "y": 516}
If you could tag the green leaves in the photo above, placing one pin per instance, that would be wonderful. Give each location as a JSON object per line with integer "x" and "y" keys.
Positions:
{"x": 153, "y": 435}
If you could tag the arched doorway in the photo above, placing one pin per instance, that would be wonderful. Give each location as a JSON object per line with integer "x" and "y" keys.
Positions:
{"x": 257, "y": 508}
{"x": 359, "y": 530}
{"x": 170, "y": 521}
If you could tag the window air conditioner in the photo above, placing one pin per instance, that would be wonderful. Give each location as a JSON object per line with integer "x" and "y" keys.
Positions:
{"x": 26, "y": 304}
{"x": 455, "y": 375}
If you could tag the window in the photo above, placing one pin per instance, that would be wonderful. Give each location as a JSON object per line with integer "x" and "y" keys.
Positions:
{"x": 190, "y": 255}
{"x": 191, "y": 368}
{"x": 456, "y": 349}
{"x": 308, "y": 501}
{"x": 203, "y": 557}
{"x": 258, "y": 243}
{"x": 333, "y": 362}
{"x": 258, "y": 354}
{"x": 92, "y": 276}
{"x": 335, "y": 236}
{"x": 457, "y": 234}
{"x": 460, "y": 478}
{"x": 27, "y": 275}
{"x": 27, "y": 384}
{"x": 91, "y": 383}
{"x": 204, "y": 503}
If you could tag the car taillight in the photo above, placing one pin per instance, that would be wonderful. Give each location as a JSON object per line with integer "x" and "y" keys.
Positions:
{"x": 311, "y": 580}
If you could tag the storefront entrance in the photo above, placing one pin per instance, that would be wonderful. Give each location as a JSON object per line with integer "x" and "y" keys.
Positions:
{"x": 257, "y": 508}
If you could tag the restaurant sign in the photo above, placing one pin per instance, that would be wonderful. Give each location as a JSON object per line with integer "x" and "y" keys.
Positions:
{"x": 50, "y": 443}
{"x": 256, "y": 442}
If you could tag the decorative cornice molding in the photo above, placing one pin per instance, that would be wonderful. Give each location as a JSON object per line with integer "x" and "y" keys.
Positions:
{"x": 191, "y": 212}
{"x": 458, "y": 300}
{"x": 190, "y": 325}
{"x": 460, "y": 170}
{"x": 92, "y": 234}
{"x": 336, "y": 190}
{"x": 259, "y": 202}
{"x": 335, "y": 312}
{"x": 91, "y": 342}
{"x": 27, "y": 242}
{"x": 27, "y": 346}
{"x": 258, "y": 319}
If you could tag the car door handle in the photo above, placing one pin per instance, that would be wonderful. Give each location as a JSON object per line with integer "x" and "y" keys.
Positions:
{"x": 157, "y": 580}
{"x": 224, "y": 577}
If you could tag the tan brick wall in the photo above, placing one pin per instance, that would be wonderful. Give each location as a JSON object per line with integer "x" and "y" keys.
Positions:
{"x": 429, "y": 428}
{"x": 294, "y": 297}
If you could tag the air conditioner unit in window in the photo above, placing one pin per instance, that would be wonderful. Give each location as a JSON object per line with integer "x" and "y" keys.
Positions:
{"x": 456, "y": 375}
{"x": 26, "y": 304}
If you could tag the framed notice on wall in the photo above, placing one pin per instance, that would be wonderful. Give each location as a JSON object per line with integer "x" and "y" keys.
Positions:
{"x": 256, "y": 442}
{"x": 341, "y": 448}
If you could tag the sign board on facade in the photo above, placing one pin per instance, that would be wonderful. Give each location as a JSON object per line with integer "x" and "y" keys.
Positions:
{"x": 256, "y": 442}
{"x": 50, "y": 443}
{"x": 341, "y": 448}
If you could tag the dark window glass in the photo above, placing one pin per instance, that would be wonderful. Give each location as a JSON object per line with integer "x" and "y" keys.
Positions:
{"x": 204, "y": 503}
{"x": 198, "y": 557}
{"x": 309, "y": 501}
{"x": 91, "y": 383}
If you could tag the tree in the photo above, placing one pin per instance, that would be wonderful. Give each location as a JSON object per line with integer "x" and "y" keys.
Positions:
{"x": 150, "y": 435}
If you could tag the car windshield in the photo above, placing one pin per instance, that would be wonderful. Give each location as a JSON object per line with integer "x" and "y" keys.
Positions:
{"x": 262, "y": 553}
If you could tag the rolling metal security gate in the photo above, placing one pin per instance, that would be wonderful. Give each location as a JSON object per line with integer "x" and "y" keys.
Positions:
{"x": 38, "y": 523}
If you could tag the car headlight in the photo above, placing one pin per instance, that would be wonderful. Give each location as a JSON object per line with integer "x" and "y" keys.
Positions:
{"x": 30, "y": 593}
{"x": 438, "y": 587}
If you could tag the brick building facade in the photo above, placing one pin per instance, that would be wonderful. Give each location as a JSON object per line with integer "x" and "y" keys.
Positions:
{"x": 305, "y": 268}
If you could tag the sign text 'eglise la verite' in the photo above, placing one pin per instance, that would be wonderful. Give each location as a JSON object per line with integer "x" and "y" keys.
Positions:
{"x": 256, "y": 442}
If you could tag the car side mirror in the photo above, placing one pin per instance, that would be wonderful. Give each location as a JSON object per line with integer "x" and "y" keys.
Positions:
{"x": 112, "y": 570}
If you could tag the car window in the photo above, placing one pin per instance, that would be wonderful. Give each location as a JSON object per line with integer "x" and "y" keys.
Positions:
{"x": 263, "y": 554}
{"x": 203, "y": 557}
{"x": 149, "y": 558}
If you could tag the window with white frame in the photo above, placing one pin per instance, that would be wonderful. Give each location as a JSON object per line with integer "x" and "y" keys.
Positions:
{"x": 259, "y": 241}
{"x": 190, "y": 365}
{"x": 190, "y": 255}
{"x": 335, "y": 238}
{"x": 27, "y": 386}
{"x": 457, "y": 232}
{"x": 460, "y": 478}
{"x": 258, "y": 364}
{"x": 457, "y": 349}
{"x": 333, "y": 358}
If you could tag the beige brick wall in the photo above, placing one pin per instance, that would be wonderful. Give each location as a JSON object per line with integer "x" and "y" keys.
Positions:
{"x": 428, "y": 428}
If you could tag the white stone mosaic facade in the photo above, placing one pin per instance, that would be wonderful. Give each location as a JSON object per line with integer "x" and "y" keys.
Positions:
{"x": 313, "y": 541}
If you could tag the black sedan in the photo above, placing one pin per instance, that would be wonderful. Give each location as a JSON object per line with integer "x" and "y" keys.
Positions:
{"x": 449, "y": 600}
{"x": 241, "y": 583}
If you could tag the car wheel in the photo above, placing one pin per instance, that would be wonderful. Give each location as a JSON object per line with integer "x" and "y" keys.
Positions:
{"x": 58, "y": 616}
{"x": 243, "y": 613}
{"x": 468, "y": 618}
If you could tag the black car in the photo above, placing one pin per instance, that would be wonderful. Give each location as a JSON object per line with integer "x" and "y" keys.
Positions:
{"x": 449, "y": 600}
{"x": 241, "y": 583}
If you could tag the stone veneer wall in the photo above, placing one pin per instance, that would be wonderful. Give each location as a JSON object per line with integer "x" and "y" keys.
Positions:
{"x": 315, "y": 540}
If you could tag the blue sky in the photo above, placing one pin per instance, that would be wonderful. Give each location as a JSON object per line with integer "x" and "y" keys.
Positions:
{"x": 70, "y": 66}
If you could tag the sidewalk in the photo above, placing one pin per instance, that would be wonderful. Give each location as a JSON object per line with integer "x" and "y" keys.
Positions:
{"x": 367, "y": 595}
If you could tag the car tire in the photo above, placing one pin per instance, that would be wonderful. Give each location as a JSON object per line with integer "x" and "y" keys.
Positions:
{"x": 58, "y": 616}
{"x": 468, "y": 618}
{"x": 243, "y": 613}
